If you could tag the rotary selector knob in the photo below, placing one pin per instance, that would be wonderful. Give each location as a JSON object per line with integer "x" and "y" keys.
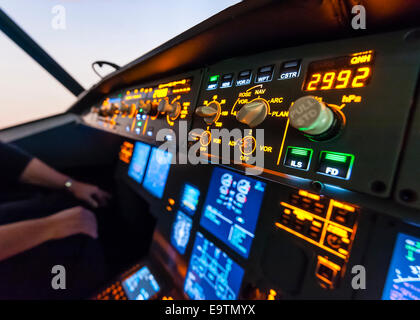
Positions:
{"x": 165, "y": 107}
{"x": 149, "y": 108}
{"x": 311, "y": 116}
{"x": 125, "y": 109}
{"x": 171, "y": 109}
{"x": 115, "y": 108}
{"x": 253, "y": 113}
{"x": 209, "y": 112}
{"x": 176, "y": 109}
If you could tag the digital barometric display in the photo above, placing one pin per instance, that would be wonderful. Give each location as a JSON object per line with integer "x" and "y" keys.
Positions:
{"x": 157, "y": 172}
{"x": 212, "y": 275}
{"x": 403, "y": 279}
{"x": 352, "y": 71}
{"x": 139, "y": 161}
{"x": 232, "y": 208}
{"x": 181, "y": 231}
{"x": 189, "y": 199}
{"x": 141, "y": 285}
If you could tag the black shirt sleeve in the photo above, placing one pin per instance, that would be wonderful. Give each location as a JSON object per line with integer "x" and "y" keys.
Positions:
{"x": 12, "y": 162}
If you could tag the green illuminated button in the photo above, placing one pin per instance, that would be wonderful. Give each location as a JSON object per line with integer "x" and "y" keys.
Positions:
{"x": 298, "y": 158}
{"x": 334, "y": 164}
{"x": 213, "y": 82}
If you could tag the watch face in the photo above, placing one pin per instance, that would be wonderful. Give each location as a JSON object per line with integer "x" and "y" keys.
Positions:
{"x": 68, "y": 184}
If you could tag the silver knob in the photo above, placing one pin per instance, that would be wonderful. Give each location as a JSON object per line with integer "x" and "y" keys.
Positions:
{"x": 209, "y": 112}
{"x": 165, "y": 106}
{"x": 311, "y": 116}
{"x": 253, "y": 113}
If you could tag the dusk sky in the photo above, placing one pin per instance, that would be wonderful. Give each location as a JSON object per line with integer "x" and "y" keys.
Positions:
{"x": 114, "y": 30}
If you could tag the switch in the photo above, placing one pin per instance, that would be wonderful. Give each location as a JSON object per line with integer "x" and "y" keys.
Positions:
{"x": 264, "y": 74}
{"x": 337, "y": 165}
{"x": 298, "y": 158}
{"x": 213, "y": 82}
{"x": 244, "y": 78}
{"x": 327, "y": 272}
{"x": 150, "y": 131}
{"x": 289, "y": 70}
{"x": 227, "y": 80}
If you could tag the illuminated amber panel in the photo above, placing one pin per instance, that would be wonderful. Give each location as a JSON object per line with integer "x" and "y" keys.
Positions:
{"x": 326, "y": 223}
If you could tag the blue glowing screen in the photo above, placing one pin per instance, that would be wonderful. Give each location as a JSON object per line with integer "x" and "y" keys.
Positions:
{"x": 139, "y": 161}
{"x": 141, "y": 285}
{"x": 157, "y": 172}
{"x": 232, "y": 208}
{"x": 212, "y": 275}
{"x": 403, "y": 280}
{"x": 189, "y": 199}
{"x": 181, "y": 230}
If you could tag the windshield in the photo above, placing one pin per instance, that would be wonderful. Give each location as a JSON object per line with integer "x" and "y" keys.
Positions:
{"x": 77, "y": 33}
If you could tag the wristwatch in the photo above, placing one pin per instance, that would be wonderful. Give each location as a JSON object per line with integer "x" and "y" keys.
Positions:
{"x": 68, "y": 184}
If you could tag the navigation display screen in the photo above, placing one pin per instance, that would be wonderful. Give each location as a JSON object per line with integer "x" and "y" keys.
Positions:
{"x": 157, "y": 172}
{"x": 403, "y": 279}
{"x": 141, "y": 285}
{"x": 212, "y": 275}
{"x": 189, "y": 199}
{"x": 139, "y": 161}
{"x": 232, "y": 208}
{"x": 181, "y": 230}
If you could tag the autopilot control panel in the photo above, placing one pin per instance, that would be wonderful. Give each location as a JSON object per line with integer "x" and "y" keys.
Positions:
{"x": 140, "y": 112}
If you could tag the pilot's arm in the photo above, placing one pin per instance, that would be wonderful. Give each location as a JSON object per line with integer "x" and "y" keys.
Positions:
{"x": 15, "y": 163}
{"x": 18, "y": 237}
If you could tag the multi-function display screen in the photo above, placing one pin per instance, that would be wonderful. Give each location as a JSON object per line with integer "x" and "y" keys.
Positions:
{"x": 189, "y": 199}
{"x": 352, "y": 71}
{"x": 212, "y": 275}
{"x": 157, "y": 172}
{"x": 181, "y": 230}
{"x": 403, "y": 280}
{"x": 141, "y": 285}
{"x": 232, "y": 208}
{"x": 139, "y": 161}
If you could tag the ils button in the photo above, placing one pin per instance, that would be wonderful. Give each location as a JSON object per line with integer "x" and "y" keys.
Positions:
{"x": 334, "y": 164}
{"x": 298, "y": 158}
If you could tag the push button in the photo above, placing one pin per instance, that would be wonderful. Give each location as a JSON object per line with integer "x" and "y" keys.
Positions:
{"x": 264, "y": 74}
{"x": 213, "y": 82}
{"x": 298, "y": 158}
{"x": 150, "y": 131}
{"x": 244, "y": 78}
{"x": 289, "y": 70}
{"x": 227, "y": 80}
{"x": 334, "y": 164}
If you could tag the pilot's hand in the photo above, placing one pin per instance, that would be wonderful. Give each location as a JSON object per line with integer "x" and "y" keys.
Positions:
{"x": 90, "y": 194}
{"x": 76, "y": 220}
